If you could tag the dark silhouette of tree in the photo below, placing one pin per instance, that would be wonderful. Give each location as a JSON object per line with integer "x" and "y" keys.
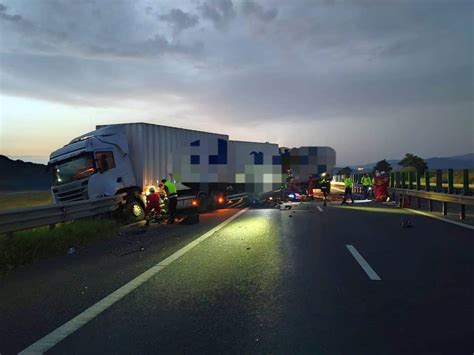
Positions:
{"x": 345, "y": 171}
{"x": 414, "y": 162}
{"x": 383, "y": 165}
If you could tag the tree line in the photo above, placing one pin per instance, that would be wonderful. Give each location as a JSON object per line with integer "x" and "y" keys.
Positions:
{"x": 410, "y": 162}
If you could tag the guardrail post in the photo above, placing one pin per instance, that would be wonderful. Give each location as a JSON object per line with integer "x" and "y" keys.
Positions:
{"x": 392, "y": 180}
{"x": 450, "y": 181}
{"x": 427, "y": 181}
{"x": 445, "y": 208}
{"x": 465, "y": 182}
{"x": 439, "y": 180}
{"x": 397, "y": 179}
{"x": 430, "y": 205}
{"x": 410, "y": 180}
{"x": 418, "y": 180}
{"x": 404, "y": 178}
{"x": 462, "y": 212}
{"x": 400, "y": 201}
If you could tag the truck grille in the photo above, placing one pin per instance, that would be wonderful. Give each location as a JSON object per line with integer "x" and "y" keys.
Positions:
{"x": 76, "y": 191}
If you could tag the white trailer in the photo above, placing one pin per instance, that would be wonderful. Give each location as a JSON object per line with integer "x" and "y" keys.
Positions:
{"x": 131, "y": 157}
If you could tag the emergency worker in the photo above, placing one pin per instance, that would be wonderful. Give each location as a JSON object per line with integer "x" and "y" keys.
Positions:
{"x": 325, "y": 185}
{"x": 311, "y": 187}
{"x": 366, "y": 183}
{"x": 172, "y": 195}
{"x": 152, "y": 204}
{"x": 348, "y": 183}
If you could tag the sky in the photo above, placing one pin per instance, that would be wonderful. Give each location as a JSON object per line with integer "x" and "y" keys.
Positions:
{"x": 374, "y": 79}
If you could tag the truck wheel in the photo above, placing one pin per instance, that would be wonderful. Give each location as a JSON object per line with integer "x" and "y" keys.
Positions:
{"x": 202, "y": 203}
{"x": 135, "y": 210}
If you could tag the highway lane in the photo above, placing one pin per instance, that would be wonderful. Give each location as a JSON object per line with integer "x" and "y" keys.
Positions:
{"x": 37, "y": 298}
{"x": 286, "y": 282}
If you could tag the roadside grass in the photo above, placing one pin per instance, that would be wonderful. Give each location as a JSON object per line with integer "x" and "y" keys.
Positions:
{"x": 10, "y": 200}
{"x": 32, "y": 245}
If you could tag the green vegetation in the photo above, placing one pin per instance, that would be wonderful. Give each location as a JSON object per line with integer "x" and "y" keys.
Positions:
{"x": 345, "y": 171}
{"x": 413, "y": 162}
{"x": 9, "y": 200}
{"x": 18, "y": 175}
{"x": 29, "y": 246}
{"x": 383, "y": 165}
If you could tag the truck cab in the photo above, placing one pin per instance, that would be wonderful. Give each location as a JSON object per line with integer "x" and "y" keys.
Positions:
{"x": 91, "y": 166}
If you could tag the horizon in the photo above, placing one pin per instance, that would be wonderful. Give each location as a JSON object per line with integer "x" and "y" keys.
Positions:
{"x": 368, "y": 79}
{"x": 44, "y": 160}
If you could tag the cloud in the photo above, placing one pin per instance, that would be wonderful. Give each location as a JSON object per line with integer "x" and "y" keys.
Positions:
{"x": 89, "y": 30}
{"x": 219, "y": 12}
{"x": 268, "y": 67}
{"x": 180, "y": 20}
{"x": 7, "y": 17}
{"x": 251, "y": 8}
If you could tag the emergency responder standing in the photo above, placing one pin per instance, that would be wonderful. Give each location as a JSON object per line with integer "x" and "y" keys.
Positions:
{"x": 348, "y": 183}
{"x": 172, "y": 194}
{"x": 311, "y": 187}
{"x": 152, "y": 204}
{"x": 325, "y": 185}
{"x": 366, "y": 182}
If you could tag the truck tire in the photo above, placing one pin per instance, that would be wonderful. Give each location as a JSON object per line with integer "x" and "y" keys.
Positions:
{"x": 135, "y": 210}
{"x": 202, "y": 203}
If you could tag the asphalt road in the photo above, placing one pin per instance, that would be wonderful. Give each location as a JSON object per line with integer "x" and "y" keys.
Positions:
{"x": 312, "y": 279}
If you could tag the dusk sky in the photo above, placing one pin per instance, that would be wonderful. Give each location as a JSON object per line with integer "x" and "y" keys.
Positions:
{"x": 374, "y": 79}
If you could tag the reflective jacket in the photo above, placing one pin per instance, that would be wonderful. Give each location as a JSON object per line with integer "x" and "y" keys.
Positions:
{"x": 348, "y": 182}
{"x": 366, "y": 181}
{"x": 171, "y": 189}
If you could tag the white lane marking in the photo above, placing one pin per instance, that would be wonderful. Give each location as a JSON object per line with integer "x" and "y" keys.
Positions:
{"x": 441, "y": 218}
{"x": 319, "y": 208}
{"x": 363, "y": 264}
{"x": 60, "y": 333}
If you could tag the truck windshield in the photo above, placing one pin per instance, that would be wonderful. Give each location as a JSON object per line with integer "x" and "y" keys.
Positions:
{"x": 73, "y": 169}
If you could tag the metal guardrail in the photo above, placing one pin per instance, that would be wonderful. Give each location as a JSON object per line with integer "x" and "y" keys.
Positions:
{"x": 26, "y": 218}
{"x": 460, "y": 200}
{"x": 236, "y": 196}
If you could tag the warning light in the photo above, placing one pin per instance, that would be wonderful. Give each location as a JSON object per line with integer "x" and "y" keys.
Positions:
{"x": 220, "y": 200}
{"x": 194, "y": 203}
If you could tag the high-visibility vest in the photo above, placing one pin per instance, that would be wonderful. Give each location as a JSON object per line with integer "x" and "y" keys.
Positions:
{"x": 348, "y": 182}
{"x": 171, "y": 189}
{"x": 366, "y": 181}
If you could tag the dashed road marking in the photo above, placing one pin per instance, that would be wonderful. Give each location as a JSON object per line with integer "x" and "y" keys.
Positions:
{"x": 59, "y": 334}
{"x": 363, "y": 264}
{"x": 319, "y": 208}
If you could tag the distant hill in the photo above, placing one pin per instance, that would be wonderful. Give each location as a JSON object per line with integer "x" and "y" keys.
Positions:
{"x": 17, "y": 175}
{"x": 465, "y": 161}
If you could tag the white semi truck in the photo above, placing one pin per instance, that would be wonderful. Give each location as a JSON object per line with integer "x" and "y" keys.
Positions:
{"x": 132, "y": 157}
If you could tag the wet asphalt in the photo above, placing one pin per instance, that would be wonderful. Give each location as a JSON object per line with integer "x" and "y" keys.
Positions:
{"x": 271, "y": 281}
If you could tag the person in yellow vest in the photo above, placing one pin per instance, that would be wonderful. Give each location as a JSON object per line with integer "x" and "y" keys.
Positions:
{"x": 366, "y": 183}
{"x": 348, "y": 183}
{"x": 172, "y": 194}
